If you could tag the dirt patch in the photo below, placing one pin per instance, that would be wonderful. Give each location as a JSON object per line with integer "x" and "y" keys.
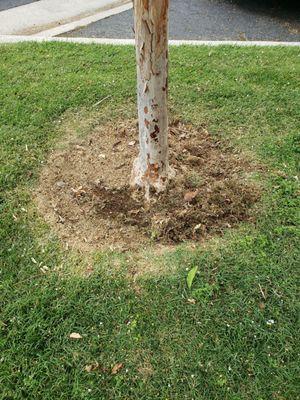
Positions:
{"x": 85, "y": 195}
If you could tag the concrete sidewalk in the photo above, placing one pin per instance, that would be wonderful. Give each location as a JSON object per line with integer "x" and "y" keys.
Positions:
{"x": 46, "y": 14}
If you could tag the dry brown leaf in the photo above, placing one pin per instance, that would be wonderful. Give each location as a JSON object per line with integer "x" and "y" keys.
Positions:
{"x": 91, "y": 367}
{"x": 194, "y": 160}
{"x": 116, "y": 368}
{"x": 75, "y": 335}
{"x": 190, "y": 196}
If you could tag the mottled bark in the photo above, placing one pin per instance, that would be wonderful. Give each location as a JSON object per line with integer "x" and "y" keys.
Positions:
{"x": 151, "y": 168}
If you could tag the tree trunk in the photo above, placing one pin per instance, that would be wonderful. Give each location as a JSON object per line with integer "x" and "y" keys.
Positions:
{"x": 151, "y": 168}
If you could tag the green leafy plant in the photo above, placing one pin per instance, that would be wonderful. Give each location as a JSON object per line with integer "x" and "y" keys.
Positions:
{"x": 191, "y": 276}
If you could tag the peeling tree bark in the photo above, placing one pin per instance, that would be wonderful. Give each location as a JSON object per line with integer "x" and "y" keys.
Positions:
{"x": 151, "y": 168}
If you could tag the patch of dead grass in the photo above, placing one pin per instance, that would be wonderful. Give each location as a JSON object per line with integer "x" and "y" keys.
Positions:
{"x": 84, "y": 193}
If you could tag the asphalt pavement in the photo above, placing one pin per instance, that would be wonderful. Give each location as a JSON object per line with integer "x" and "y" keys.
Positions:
{"x": 7, "y": 4}
{"x": 211, "y": 20}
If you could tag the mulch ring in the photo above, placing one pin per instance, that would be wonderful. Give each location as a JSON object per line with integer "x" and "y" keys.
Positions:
{"x": 84, "y": 191}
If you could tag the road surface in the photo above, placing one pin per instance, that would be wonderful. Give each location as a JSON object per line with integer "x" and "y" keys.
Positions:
{"x": 210, "y": 20}
{"x": 7, "y": 4}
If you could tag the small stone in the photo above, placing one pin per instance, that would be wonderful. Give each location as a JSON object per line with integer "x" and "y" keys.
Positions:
{"x": 75, "y": 335}
{"x": 60, "y": 184}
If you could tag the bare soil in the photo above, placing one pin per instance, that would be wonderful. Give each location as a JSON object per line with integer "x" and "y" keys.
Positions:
{"x": 84, "y": 190}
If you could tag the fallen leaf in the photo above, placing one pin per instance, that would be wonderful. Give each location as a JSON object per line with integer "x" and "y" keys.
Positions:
{"x": 193, "y": 159}
{"x": 191, "y": 301}
{"x": 78, "y": 191}
{"x": 116, "y": 368}
{"x": 197, "y": 227}
{"x": 191, "y": 275}
{"x": 91, "y": 367}
{"x": 75, "y": 335}
{"x": 190, "y": 196}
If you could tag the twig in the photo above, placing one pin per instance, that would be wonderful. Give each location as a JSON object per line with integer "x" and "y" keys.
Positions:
{"x": 262, "y": 292}
{"x": 100, "y": 101}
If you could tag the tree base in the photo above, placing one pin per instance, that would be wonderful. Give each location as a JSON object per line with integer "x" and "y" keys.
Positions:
{"x": 148, "y": 180}
{"x": 85, "y": 198}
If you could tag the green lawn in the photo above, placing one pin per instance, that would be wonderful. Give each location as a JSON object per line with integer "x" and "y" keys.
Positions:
{"x": 239, "y": 341}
